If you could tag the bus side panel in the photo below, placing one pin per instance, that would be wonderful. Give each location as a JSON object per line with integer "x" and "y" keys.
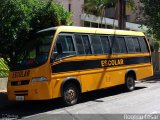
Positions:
{"x": 98, "y": 79}
{"x": 144, "y": 71}
{"x": 56, "y": 85}
{"x": 93, "y": 79}
{"x": 58, "y": 79}
{"x": 116, "y": 77}
{"x": 89, "y": 79}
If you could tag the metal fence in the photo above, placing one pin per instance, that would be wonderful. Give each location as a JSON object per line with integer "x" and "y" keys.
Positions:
{"x": 156, "y": 61}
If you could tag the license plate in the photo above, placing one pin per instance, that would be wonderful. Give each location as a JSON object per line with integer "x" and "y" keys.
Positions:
{"x": 19, "y": 98}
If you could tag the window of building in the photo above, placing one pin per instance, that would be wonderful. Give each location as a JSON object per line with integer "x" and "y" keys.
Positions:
{"x": 69, "y": 7}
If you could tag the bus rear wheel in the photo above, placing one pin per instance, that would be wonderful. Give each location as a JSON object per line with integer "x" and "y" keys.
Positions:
{"x": 130, "y": 83}
{"x": 70, "y": 94}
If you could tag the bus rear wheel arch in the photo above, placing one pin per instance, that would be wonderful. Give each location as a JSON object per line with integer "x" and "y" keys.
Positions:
{"x": 70, "y": 92}
{"x": 130, "y": 81}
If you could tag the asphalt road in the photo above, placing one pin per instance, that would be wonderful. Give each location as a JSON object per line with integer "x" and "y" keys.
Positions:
{"x": 93, "y": 105}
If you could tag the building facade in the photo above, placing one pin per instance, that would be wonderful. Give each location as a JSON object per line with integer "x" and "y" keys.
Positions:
{"x": 134, "y": 17}
{"x": 74, "y": 6}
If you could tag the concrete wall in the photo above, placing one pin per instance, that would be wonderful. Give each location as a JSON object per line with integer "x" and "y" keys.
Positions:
{"x": 3, "y": 84}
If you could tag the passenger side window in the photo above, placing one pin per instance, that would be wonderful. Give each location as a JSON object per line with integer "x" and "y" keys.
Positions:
{"x": 118, "y": 44}
{"x": 130, "y": 45}
{"x": 122, "y": 44}
{"x": 114, "y": 44}
{"x": 67, "y": 45}
{"x": 105, "y": 44}
{"x": 70, "y": 45}
{"x": 86, "y": 43}
{"x": 96, "y": 44}
{"x": 136, "y": 44}
{"x": 143, "y": 44}
{"x": 79, "y": 44}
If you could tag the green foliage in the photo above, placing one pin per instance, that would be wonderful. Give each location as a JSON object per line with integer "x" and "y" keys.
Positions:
{"x": 152, "y": 17}
{"x": 20, "y": 19}
{"x": 3, "y": 68}
{"x": 97, "y": 7}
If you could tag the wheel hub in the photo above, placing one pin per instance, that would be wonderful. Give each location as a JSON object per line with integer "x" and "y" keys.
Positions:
{"x": 70, "y": 95}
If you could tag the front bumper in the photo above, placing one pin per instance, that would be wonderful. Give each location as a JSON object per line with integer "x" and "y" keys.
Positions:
{"x": 32, "y": 91}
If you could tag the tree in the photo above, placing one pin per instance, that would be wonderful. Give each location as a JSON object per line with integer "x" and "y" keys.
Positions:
{"x": 20, "y": 19}
{"x": 99, "y": 7}
{"x": 152, "y": 17}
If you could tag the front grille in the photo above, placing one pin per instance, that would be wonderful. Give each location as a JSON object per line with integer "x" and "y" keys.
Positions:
{"x": 18, "y": 83}
{"x": 21, "y": 93}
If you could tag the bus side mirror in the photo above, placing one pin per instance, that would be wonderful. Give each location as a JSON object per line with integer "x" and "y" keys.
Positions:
{"x": 59, "y": 48}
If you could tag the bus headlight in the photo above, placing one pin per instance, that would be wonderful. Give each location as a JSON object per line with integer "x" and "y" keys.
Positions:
{"x": 39, "y": 79}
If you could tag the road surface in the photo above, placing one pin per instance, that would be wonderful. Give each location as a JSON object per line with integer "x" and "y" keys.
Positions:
{"x": 93, "y": 105}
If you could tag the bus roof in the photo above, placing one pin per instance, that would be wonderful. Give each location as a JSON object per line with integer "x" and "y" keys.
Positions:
{"x": 75, "y": 29}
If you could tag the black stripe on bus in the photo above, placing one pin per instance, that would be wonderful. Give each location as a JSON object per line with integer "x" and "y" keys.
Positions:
{"x": 92, "y": 64}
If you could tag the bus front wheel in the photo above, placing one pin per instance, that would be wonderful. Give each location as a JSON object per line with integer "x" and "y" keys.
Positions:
{"x": 130, "y": 83}
{"x": 70, "y": 94}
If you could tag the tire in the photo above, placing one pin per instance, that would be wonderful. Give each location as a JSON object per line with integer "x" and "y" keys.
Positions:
{"x": 70, "y": 94}
{"x": 129, "y": 83}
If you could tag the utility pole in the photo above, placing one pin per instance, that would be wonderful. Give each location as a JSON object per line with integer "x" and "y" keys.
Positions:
{"x": 121, "y": 14}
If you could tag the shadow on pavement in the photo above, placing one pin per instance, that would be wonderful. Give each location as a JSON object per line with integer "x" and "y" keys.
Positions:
{"x": 22, "y": 109}
{"x": 94, "y": 95}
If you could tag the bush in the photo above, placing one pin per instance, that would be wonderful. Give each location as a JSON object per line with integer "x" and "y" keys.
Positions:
{"x": 20, "y": 19}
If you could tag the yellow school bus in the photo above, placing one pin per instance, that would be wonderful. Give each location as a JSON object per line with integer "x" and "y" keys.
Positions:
{"x": 66, "y": 61}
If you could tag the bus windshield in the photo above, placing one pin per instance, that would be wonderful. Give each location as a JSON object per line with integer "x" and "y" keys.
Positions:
{"x": 36, "y": 52}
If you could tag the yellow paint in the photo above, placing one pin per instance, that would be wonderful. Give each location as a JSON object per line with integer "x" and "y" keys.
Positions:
{"x": 108, "y": 63}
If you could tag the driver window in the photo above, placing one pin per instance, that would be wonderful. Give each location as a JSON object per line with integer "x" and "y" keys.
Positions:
{"x": 68, "y": 49}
